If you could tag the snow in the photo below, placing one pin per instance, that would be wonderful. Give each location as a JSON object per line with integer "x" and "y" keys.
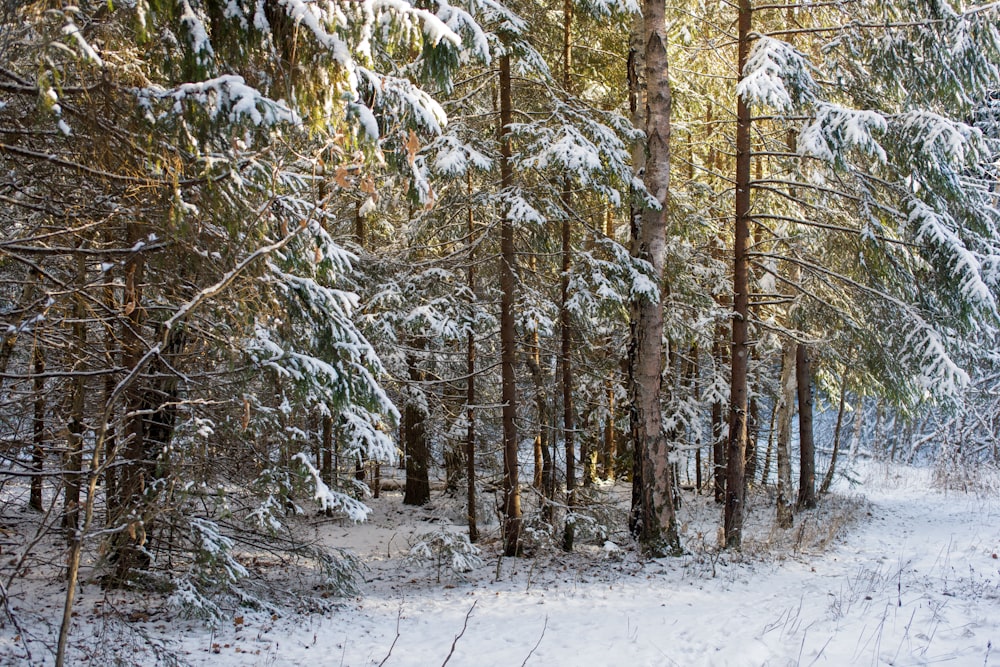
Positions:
{"x": 228, "y": 93}
{"x": 776, "y": 74}
{"x": 88, "y": 51}
{"x": 912, "y": 579}
{"x": 836, "y": 129}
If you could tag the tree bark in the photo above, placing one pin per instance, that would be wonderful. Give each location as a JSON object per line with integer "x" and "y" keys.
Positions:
{"x": 418, "y": 454}
{"x": 786, "y": 409}
{"x": 655, "y": 520}
{"x": 37, "y": 427}
{"x": 736, "y": 450}
{"x": 508, "y": 341}
{"x": 73, "y": 460}
{"x": 129, "y": 515}
{"x": 326, "y": 454}
{"x": 566, "y": 342}
{"x": 807, "y": 447}
{"x": 610, "y": 452}
{"x": 540, "y": 444}
{"x": 470, "y": 386}
{"x": 719, "y": 436}
{"x": 824, "y": 488}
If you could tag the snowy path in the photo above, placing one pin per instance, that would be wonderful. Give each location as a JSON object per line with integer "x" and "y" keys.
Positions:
{"x": 916, "y": 583}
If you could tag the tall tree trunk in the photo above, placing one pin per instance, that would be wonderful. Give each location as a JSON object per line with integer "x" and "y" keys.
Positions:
{"x": 508, "y": 340}
{"x": 736, "y": 450}
{"x": 828, "y": 478}
{"x": 73, "y": 460}
{"x": 129, "y": 516}
{"x": 656, "y": 520}
{"x": 470, "y": 387}
{"x": 807, "y": 447}
{"x": 786, "y": 409}
{"x": 565, "y": 320}
{"x": 111, "y": 353}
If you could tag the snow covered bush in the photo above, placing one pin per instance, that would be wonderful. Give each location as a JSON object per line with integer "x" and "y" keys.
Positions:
{"x": 442, "y": 548}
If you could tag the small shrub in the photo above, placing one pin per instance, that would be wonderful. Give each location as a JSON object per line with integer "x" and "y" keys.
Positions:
{"x": 445, "y": 549}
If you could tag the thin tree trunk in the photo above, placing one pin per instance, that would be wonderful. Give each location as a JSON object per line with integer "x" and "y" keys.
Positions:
{"x": 786, "y": 409}
{"x": 73, "y": 460}
{"x": 12, "y": 328}
{"x": 610, "y": 445}
{"x": 828, "y": 478}
{"x": 694, "y": 387}
{"x": 807, "y": 447}
{"x": 326, "y": 454}
{"x": 540, "y": 445}
{"x": 565, "y": 357}
{"x": 736, "y": 450}
{"x": 719, "y": 436}
{"x": 508, "y": 341}
{"x": 859, "y": 423}
{"x": 37, "y": 427}
{"x": 769, "y": 452}
{"x": 111, "y": 352}
{"x": 129, "y": 517}
{"x": 753, "y": 433}
{"x": 470, "y": 388}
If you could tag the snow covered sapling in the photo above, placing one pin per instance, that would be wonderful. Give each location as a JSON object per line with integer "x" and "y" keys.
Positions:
{"x": 442, "y": 548}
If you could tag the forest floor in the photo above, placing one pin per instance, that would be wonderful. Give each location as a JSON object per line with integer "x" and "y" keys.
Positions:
{"x": 902, "y": 574}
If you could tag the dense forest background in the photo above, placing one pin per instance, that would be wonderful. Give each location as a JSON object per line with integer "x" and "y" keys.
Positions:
{"x": 256, "y": 254}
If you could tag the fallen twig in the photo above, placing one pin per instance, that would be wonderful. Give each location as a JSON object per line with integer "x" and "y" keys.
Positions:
{"x": 395, "y": 639}
{"x": 528, "y": 657}
{"x": 459, "y": 635}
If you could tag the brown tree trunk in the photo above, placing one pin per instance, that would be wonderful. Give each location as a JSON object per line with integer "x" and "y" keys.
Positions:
{"x": 37, "y": 427}
{"x": 569, "y": 425}
{"x": 470, "y": 386}
{"x": 129, "y": 515}
{"x": 656, "y": 520}
{"x": 73, "y": 460}
{"x": 565, "y": 358}
{"x": 326, "y": 454}
{"x": 418, "y": 453}
{"x": 508, "y": 340}
{"x": 736, "y": 450}
{"x": 786, "y": 409}
{"x": 540, "y": 445}
{"x": 807, "y": 447}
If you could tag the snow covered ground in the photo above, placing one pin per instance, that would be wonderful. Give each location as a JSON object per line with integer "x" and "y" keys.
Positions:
{"x": 903, "y": 575}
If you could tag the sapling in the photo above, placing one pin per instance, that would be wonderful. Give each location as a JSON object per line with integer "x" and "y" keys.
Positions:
{"x": 443, "y": 548}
